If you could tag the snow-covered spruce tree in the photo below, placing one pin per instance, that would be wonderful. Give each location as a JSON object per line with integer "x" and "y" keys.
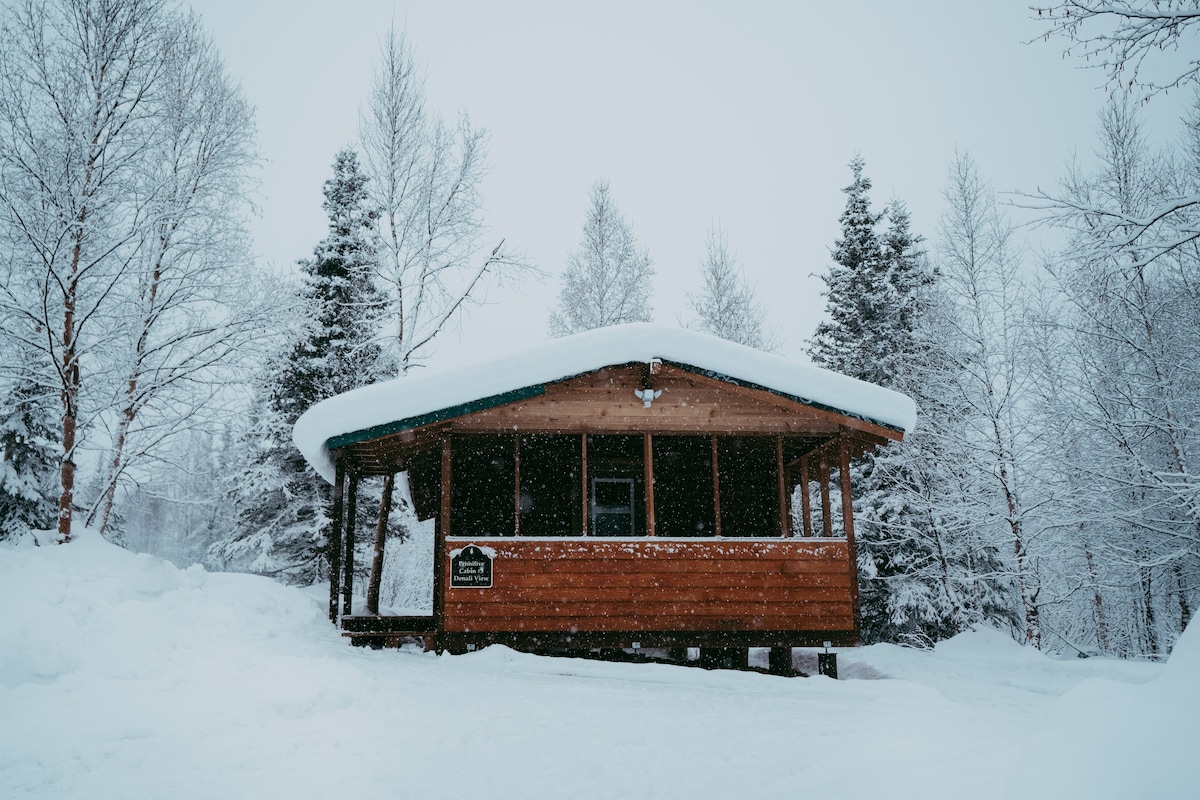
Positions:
{"x": 726, "y": 305}
{"x": 30, "y": 461}
{"x": 281, "y": 515}
{"x": 878, "y": 290}
{"x": 608, "y": 280}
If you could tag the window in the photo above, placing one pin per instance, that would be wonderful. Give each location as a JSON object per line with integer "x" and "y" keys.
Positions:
{"x": 613, "y": 507}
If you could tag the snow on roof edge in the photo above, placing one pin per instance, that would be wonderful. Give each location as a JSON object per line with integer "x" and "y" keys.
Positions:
{"x": 437, "y": 390}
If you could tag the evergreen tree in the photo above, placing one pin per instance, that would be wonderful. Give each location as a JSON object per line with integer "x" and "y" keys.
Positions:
{"x": 29, "y": 468}
{"x": 855, "y": 338}
{"x": 877, "y": 298}
{"x": 281, "y": 516}
{"x": 608, "y": 279}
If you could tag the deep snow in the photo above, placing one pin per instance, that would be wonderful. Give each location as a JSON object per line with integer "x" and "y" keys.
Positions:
{"x": 122, "y": 676}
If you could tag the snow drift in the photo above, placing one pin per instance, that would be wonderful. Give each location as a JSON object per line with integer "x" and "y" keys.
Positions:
{"x": 122, "y": 676}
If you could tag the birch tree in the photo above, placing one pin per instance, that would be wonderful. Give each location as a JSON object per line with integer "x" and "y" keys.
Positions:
{"x": 193, "y": 308}
{"x": 981, "y": 274}
{"x": 425, "y": 182}
{"x": 1134, "y": 383}
{"x": 1144, "y": 47}
{"x": 608, "y": 279}
{"x": 78, "y": 81}
{"x": 726, "y": 305}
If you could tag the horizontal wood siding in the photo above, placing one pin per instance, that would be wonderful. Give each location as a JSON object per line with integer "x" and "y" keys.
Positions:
{"x": 604, "y": 402}
{"x": 579, "y": 585}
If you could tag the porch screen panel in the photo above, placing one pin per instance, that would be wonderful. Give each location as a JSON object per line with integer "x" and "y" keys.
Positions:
{"x": 683, "y": 486}
{"x": 550, "y": 485}
{"x": 616, "y": 485}
{"x": 748, "y": 473}
{"x": 482, "y": 481}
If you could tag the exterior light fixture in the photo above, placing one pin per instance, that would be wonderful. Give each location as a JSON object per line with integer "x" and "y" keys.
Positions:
{"x": 647, "y": 396}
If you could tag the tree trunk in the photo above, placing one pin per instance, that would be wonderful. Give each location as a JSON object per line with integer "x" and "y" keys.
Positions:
{"x": 385, "y": 510}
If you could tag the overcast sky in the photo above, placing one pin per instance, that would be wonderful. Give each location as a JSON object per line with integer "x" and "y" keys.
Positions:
{"x": 743, "y": 114}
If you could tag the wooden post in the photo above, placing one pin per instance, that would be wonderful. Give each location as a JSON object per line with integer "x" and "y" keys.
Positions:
{"x": 351, "y": 514}
{"x": 439, "y": 545}
{"x": 805, "y": 500}
{"x": 584, "y": 489}
{"x": 826, "y": 508}
{"x": 385, "y": 510}
{"x": 785, "y": 521}
{"x": 848, "y": 521}
{"x": 648, "y": 458}
{"x": 334, "y": 553}
{"x": 716, "y": 489}
{"x": 517, "y": 481}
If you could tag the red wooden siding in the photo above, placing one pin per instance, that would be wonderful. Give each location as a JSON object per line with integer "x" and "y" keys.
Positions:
{"x": 578, "y": 585}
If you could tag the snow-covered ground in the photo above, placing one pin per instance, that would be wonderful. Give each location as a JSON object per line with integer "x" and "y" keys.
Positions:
{"x": 122, "y": 676}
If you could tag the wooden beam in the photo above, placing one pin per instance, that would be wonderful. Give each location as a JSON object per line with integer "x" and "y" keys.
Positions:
{"x": 805, "y": 500}
{"x": 439, "y": 544}
{"x": 351, "y": 513}
{"x": 517, "y": 482}
{"x": 819, "y": 445}
{"x": 785, "y": 526}
{"x": 385, "y": 511}
{"x": 848, "y": 521}
{"x": 648, "y": 459}
{"x": 716, "y": 489}
{"x": 334, "y": 552}
{"x": 584, "y": 472}
{"x": 826, "y": 508}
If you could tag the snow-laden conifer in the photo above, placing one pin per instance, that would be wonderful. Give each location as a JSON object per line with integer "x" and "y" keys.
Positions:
{"x": 30, "y": 460}
{"x": 281, "y": 502}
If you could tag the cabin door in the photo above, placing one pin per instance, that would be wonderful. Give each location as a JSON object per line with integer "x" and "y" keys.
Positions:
{"x": 612, "y": 507}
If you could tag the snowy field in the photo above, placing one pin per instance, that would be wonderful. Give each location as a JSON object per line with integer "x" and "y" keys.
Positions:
{"x": 122, "y": 676}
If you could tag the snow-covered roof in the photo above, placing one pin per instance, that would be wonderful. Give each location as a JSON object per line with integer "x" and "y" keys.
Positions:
{"x": 423, "y": 395}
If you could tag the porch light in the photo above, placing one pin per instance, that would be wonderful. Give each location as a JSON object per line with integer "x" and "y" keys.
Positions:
{"x": 647, "y": 396}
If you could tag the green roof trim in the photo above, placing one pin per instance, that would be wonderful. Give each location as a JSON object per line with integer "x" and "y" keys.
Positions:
{"x": 708, "y": 373}
{"x": 441, "y": 415}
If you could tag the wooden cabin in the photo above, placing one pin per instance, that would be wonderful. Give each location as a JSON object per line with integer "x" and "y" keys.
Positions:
{"x": 635, "y": 486}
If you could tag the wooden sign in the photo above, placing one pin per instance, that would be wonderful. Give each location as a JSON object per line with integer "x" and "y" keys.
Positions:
{"x": 471, "y": 568}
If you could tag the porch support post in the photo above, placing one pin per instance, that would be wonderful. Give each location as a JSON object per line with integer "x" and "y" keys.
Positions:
{"x": 439, "y": 543}
{"x": 648, "y": 458}
{"x": 517, "y": 485}
{"x": 848, "y": 520}
{"x": 334, "y": 553}
{"x": 351, "y": 514}
{"x": 826, "y": 508}
{"x": 785, "y": 504}
{"x": 583, "y": 471}
{"x": 805, "y": 500}
{"x": 385, "y": 511}
{"x": 716, "y": 489}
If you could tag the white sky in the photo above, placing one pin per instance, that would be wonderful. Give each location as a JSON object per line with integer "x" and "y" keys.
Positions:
{"x": 743, "y": 114}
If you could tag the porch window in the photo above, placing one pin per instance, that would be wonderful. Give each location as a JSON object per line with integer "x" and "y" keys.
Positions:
{"x": 612, "y": 509}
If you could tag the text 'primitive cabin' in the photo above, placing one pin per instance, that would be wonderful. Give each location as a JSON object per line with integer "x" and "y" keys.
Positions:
{"x": 629, "y": 487}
